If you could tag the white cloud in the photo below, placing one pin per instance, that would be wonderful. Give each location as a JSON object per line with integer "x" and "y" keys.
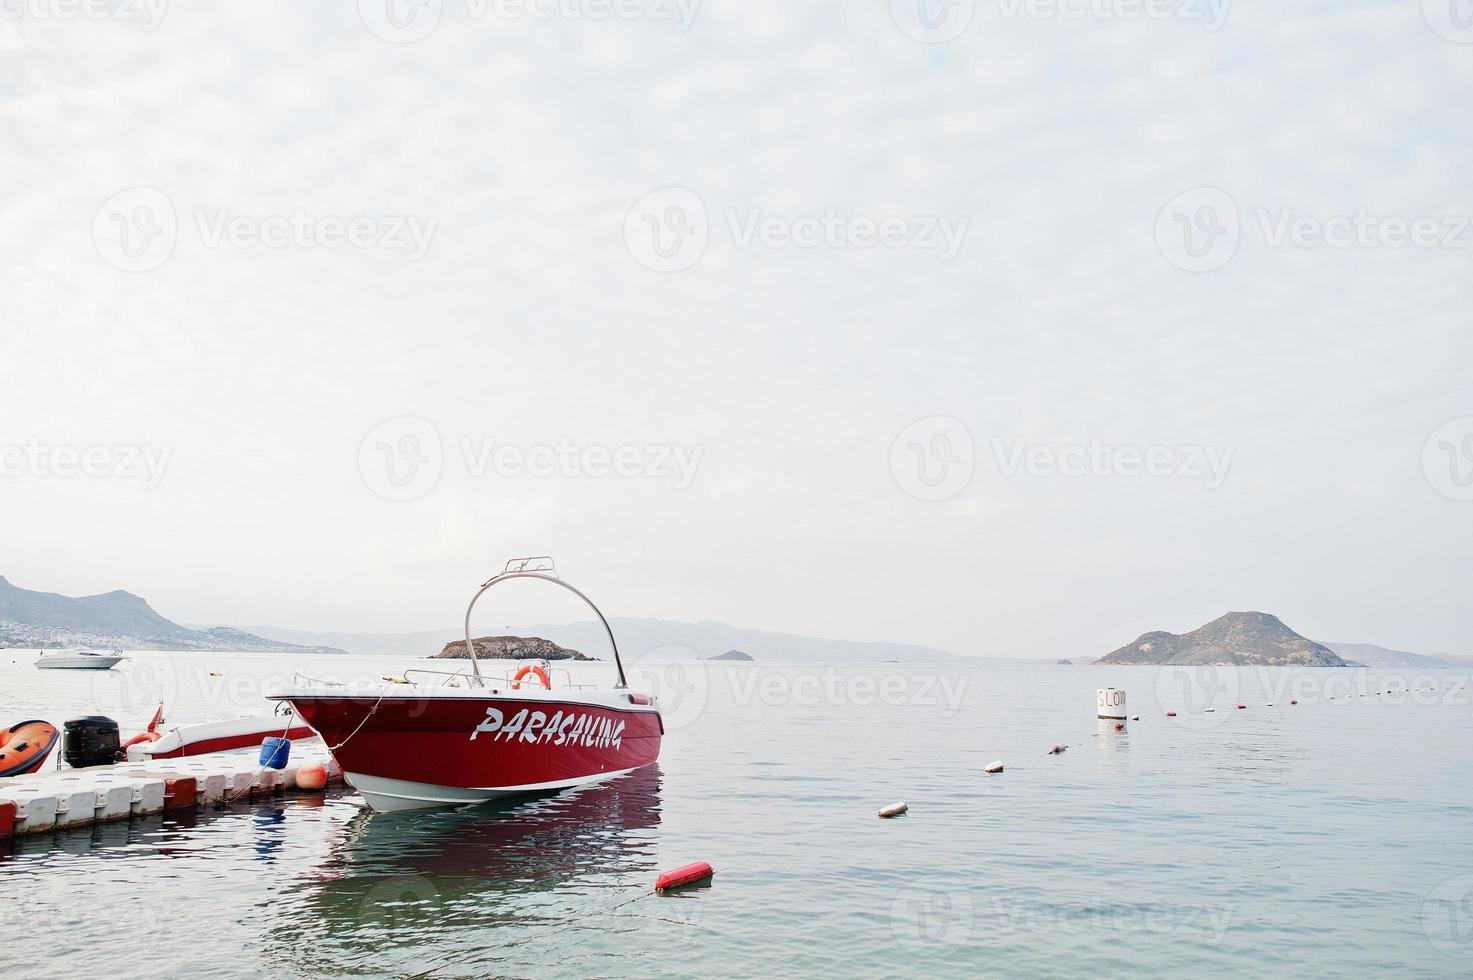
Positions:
{"x": 528, "y": 320}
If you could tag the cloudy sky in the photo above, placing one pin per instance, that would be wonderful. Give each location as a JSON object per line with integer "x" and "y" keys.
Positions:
{"x": 1016, "y": 327}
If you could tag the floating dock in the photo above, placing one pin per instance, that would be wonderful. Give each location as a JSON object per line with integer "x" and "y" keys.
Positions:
{"x": 57, "y": 799}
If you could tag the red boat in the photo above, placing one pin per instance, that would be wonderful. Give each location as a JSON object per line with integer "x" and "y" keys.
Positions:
{"x": 411, "y": 746}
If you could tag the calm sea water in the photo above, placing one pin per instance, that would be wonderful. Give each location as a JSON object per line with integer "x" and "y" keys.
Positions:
{"x": 1327, "y": 838}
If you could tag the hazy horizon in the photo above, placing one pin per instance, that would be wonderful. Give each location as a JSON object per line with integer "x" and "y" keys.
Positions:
{"x": 283, "y": 632}
{"x": 1033, "y": 336}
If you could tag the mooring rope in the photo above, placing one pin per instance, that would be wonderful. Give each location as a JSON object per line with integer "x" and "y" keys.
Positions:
{"x": 371, "y": 712}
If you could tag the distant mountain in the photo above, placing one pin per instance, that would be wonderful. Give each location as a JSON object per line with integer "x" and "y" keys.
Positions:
{"x": 114, "y": 619}
{"x": 114, "y": 612}
{"x": 510, "y": 648}
{"x": 733, "y": 655}
{"x": 1374, "y": 656}
{"x": 662, "y": 638}
{"x": 1239, "y": 638}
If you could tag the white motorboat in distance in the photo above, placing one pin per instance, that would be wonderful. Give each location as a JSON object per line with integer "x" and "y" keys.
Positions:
{"x": 80, "y": 660}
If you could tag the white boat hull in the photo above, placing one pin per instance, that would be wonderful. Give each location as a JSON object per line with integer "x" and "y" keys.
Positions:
{"x": 217, "y": 736}
{"x": 78, "y": 662}
{"x": 391, "y": 795}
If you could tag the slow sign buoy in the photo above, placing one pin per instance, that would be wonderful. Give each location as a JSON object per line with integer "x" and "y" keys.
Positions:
{"x": 996, "y": 767}
{"x": 688, "y": 875}
{"x": 894, "y": 810}
{"x": 1110, "y": 703}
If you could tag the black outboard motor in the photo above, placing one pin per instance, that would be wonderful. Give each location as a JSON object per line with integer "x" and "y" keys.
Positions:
{"x": 90, "y": 741}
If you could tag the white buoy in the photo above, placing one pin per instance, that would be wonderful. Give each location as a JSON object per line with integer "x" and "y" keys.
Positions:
{"x": 994, "y": 768}
{"x": 1111, "y": 702}
{"x": 893, "y": 810}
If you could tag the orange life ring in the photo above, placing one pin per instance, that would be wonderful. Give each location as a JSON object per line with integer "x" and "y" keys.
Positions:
{"x": 516, "y": 682}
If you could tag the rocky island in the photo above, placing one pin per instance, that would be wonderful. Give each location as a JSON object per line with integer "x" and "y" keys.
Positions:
{"x": 1237, "y": 639}
{"x": 511, "y": 648}
{"x": 733, "y": 655}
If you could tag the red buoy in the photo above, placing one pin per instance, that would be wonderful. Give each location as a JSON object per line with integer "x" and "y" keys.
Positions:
{"x": 1293, "y": 700}
{"x": 688, "y": 875}
{"x": 1242, "y": 706}
{"x": 312, "y": 779}
{"x": 1120, "y": 726}
{"x": 1171, "y": 714}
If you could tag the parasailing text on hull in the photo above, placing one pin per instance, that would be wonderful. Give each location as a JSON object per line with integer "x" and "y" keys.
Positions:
{"x": 563, "y": 728}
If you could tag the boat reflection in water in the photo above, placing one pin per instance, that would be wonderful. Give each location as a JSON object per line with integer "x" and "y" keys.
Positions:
{"x": 403, "y": 892}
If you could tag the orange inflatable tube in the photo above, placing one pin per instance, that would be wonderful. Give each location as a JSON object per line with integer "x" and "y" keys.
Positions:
{"x": 139, "y": 739}
{"x": 516, "y": 682}
{"x": 24, "y": 747}
{"x": 149, "y": 734}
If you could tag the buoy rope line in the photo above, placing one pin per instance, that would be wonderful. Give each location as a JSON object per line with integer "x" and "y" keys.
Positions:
{"x": 233, "y": 797}
{"x": 371, "y": 712}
